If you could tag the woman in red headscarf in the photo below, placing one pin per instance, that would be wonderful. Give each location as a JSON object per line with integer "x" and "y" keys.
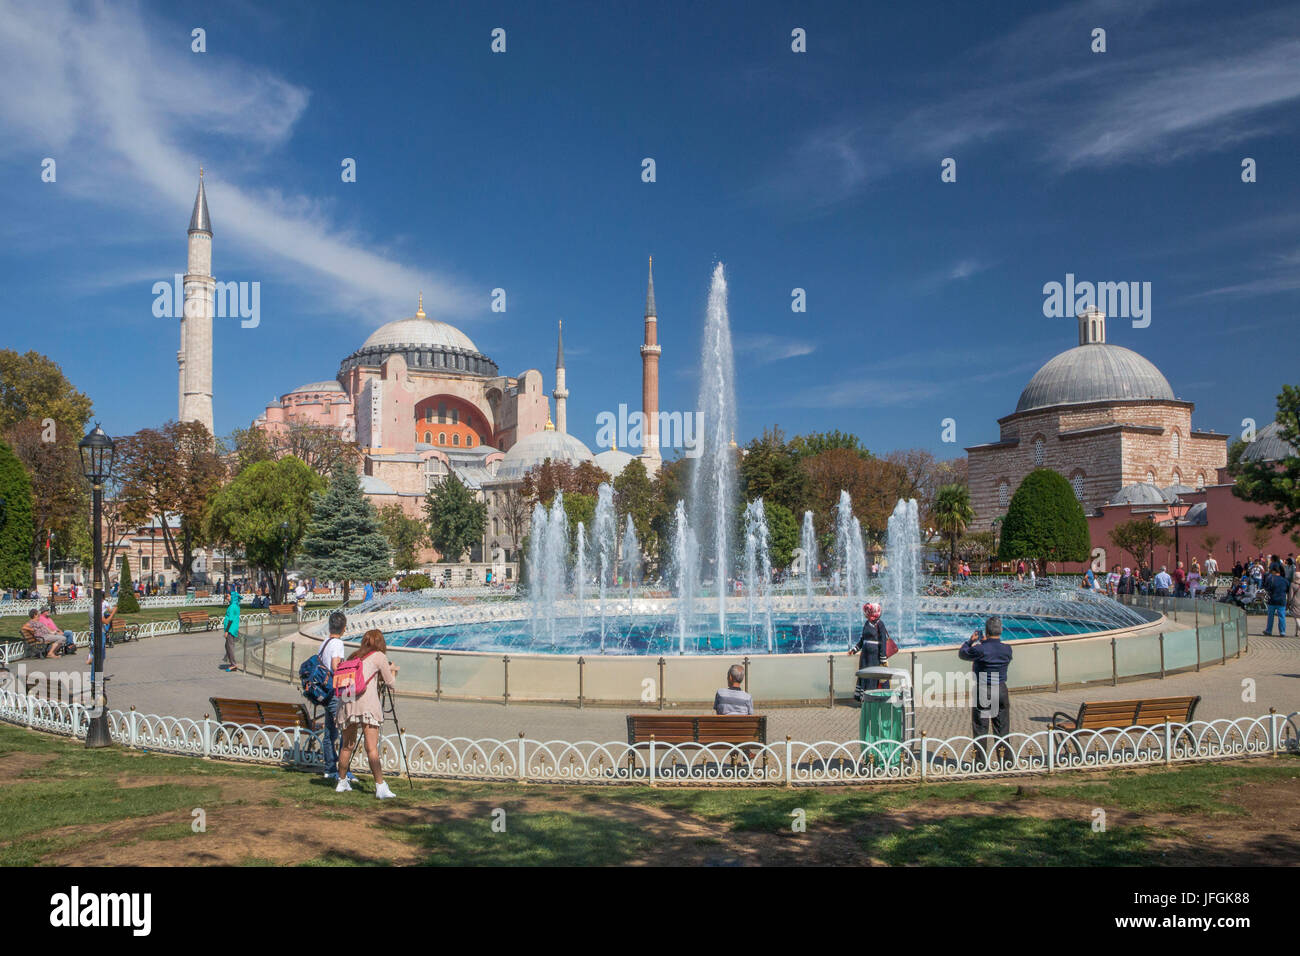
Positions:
{"x": 870, "y": 648}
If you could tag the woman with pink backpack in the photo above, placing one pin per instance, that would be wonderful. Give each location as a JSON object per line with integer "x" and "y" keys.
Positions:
{"x": 356, "y": 685}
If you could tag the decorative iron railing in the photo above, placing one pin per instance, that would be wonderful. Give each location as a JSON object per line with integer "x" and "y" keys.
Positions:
{"x": 789, "y": 763}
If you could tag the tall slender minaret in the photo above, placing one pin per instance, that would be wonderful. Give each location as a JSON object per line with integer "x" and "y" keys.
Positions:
{"x": 195, "y": 356}
{"x": 561, "y": 394}
{"x": 650, "y": 380}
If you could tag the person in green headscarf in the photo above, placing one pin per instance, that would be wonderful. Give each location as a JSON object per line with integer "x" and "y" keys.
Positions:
{"x": 231, "y": 628}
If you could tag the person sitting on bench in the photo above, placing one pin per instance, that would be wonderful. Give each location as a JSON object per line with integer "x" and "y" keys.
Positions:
{"x": 732, "y": 699}
{"x": 48, "y": 631}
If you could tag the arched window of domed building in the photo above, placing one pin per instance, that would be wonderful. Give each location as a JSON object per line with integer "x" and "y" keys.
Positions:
{"x": 442, "y": 438}
{"x": 1178, "y": 445}
{"x": 1004, "y": 494}
{"x": 1076, "y": 482}
{"x": 428, "y": 438}
{"x": 1200, "y": 479}
{"x": 1178, "y": 477}
{"x": 1151, "y": 477}
{"x": 1040, "y": 451}
{"x": 469, "y": 441}
{"x": 442, "y": 412}
{"x": 455, "y": 439}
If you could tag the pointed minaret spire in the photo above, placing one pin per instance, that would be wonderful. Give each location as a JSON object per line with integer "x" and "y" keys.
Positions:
{"x": 561, "y": 394}
{"x": 650, "y": 292}
{"x": 650, "y": 352}
{"x": 199, "y": 220}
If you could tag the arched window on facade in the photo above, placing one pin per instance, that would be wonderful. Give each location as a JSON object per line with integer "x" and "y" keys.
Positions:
{"x": 1178, "y": 477}
{"x": 1200, "y": 479}
{"x": 469, "y": 441}
{"x": 1004, "y": 494}
{"x": 455, "y": 416}
{"x": 455, "y": 439}
{"x": 1178, "y": 444}
{"x": 1076, "y": 482}
{"x": 428, "y": 438}
{"x": 442, "y": 411}
{"x": 1040, "y": 451}
{"x": 1151, "y": 476}
{"x": 442, "y": 438}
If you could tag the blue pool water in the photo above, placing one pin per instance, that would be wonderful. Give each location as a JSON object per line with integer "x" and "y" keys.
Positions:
{"x": 792, "y": 634}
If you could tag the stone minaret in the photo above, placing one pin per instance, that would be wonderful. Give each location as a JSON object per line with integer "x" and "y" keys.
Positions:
{"x": 561, "y": 394}
{"x": 650, "y": 379}
{"x": 195, "y": 356}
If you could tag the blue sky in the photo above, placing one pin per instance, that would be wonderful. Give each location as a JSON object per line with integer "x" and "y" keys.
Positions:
{"x": 522, "y": 170}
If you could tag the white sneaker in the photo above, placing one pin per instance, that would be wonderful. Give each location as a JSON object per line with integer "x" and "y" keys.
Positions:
{"x": 382, "y": 792}
{"x": 343, "y": 787}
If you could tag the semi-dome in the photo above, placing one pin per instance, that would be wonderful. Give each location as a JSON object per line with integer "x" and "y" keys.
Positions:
{"x": 612, "y": 461}
{"x": 1268, "y": 445}
{"x": 1139, "y": 493}
{"x": 1094, "y": 373}
{"x": 330, "y": 386}
{"x": 532, "y": 450}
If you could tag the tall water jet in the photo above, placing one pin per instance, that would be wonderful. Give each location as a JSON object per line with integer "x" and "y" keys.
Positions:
{"x": 758, "y": 567}
{"x": 713, "y": 480}
{"x": 843, "y": 577}
{"x": 685, "y": 570}
{"x": 903, "y": 560}
{"x": 808, "y": 542}
{"x": 548, "y": 557}
{"x": 631, "y": 559}
{"x": 580, "y": 574}
{"x": 606, "y": 547}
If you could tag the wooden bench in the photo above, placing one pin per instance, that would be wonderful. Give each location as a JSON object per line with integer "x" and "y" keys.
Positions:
{"x": 280, "y": 613}
{"x": 696, "y": 730}
{"x": 202, "y": 594}
{"x": 195, "y": 620}
{"x": 260, "y": 713}
{"x": 1116, "y": 715}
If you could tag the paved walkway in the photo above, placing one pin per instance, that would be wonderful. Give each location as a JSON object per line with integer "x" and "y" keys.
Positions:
{"x": 177, "y": 674}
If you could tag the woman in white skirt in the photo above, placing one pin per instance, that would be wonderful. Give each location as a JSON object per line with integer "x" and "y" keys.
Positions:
{"x": 364, "y": 710}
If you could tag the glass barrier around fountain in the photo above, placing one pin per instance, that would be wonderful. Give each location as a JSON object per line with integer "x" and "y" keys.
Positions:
{"x": 1171, "y": 635}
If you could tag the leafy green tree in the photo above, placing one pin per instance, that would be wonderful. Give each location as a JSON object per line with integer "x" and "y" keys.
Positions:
{"x": 254, "y": 508}
{"x": 127, "y": 602}
{"x": 33, "y": 388}
{"x": 346, "y": 540}
{"x": 805, "y": 446}
{"x": 636, "y": 495}
{"x": 1139, "y": 537}
{"x": 414, "y": 582}
{"x": 456, "y": 519}
{"x": 951, "y": 513}
{"x": 1045, "y": 522}
{"x": 15, "y": 522}
{"x": 579, "y": 507}
{"x": 1275, "y": 484}
{"x": 405, "y": 535}
{"x": 771, "y": 471}
{"x": 782, "y": 533}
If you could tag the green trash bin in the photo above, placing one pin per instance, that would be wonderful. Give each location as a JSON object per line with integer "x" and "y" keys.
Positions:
{"x": 881, "y": 719}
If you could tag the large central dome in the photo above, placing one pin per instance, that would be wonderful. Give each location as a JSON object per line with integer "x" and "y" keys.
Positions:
{"x": 1094, "y": 373}
{"x": 419, "y": 330}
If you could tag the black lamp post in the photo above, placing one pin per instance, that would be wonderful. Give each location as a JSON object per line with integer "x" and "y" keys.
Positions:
{"x": 284, "y": 574}
{"x": 97, "y": 465}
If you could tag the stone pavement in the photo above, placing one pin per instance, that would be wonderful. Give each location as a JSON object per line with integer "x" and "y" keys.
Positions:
{"x": 177, "y": 674}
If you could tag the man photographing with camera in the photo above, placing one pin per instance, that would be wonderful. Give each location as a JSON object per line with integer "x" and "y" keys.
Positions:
{"x": 990, "y": 659}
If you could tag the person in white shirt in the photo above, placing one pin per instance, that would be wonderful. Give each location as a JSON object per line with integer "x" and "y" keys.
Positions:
{"x": 1211, "y": 569}
{"x": 331, "y": 653}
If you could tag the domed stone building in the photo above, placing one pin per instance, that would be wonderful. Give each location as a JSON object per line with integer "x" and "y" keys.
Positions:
{"x": 1106, "y": 419}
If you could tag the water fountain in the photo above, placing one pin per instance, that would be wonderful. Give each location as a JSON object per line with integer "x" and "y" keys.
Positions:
{"x": 606, "y": 547}
{"x": 758, "y": 567}
{"x": 580, "y": 574}
{"x": 713, "y": 478}
{"x": 903, "y": 562}
{"x": 808, "y": 542}
{"x": 685, "y": 571}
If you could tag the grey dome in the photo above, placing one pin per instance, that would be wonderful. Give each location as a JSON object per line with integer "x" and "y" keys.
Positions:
{"x": 1140, "y": 493}
{"x": 419, "y": 330}
{"x": 613, "y": 461}
{"x": 1268, "y": 445}
{"x": 1094, "y": 373}
{"x": 532, "y": 450}
{"x": 330, "y": 386}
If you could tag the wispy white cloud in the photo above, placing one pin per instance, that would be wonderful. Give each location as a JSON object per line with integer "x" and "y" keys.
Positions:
{"x": 1177, "y": 92}
{"x": 93, "y": 80}
{"x": 762, "y": 349}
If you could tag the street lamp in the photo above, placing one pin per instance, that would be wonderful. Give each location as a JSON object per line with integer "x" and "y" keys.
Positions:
{"x": 97, "y": 465}
{"x": 284, "y": 574}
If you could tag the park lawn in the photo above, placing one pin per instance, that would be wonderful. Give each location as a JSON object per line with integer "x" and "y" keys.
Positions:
{"x": 62, "y": 804}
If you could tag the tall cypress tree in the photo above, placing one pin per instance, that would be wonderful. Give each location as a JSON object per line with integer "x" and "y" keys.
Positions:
{"x": 1045, "y": 522}
{"x": 346, "y": 540}
{"x": 16, "y": 529}
{"x": 126, "y": 599}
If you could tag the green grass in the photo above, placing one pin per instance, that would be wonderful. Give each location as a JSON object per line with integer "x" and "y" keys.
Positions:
{"x": 976, "y": 823}
{"x": 79, "y": 621}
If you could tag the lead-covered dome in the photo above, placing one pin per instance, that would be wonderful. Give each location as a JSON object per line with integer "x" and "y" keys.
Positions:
{"x": 534, "y": 449}
{"x": 1269, "y": 445}
{"x": 420, "y": 330}
{"x": 1094, "y": 373}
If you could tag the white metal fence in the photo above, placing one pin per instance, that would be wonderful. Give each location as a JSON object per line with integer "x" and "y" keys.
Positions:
{"x": 789, "y": 762}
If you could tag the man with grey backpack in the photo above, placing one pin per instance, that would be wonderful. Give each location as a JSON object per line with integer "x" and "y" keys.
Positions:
{"x": 317, "y": 678}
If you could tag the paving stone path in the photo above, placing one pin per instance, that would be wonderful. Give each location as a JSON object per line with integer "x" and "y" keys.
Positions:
{"x": 177, "y": 674}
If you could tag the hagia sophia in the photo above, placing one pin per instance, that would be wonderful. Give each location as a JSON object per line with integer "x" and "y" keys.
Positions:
{"x": 421, "y": 401}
